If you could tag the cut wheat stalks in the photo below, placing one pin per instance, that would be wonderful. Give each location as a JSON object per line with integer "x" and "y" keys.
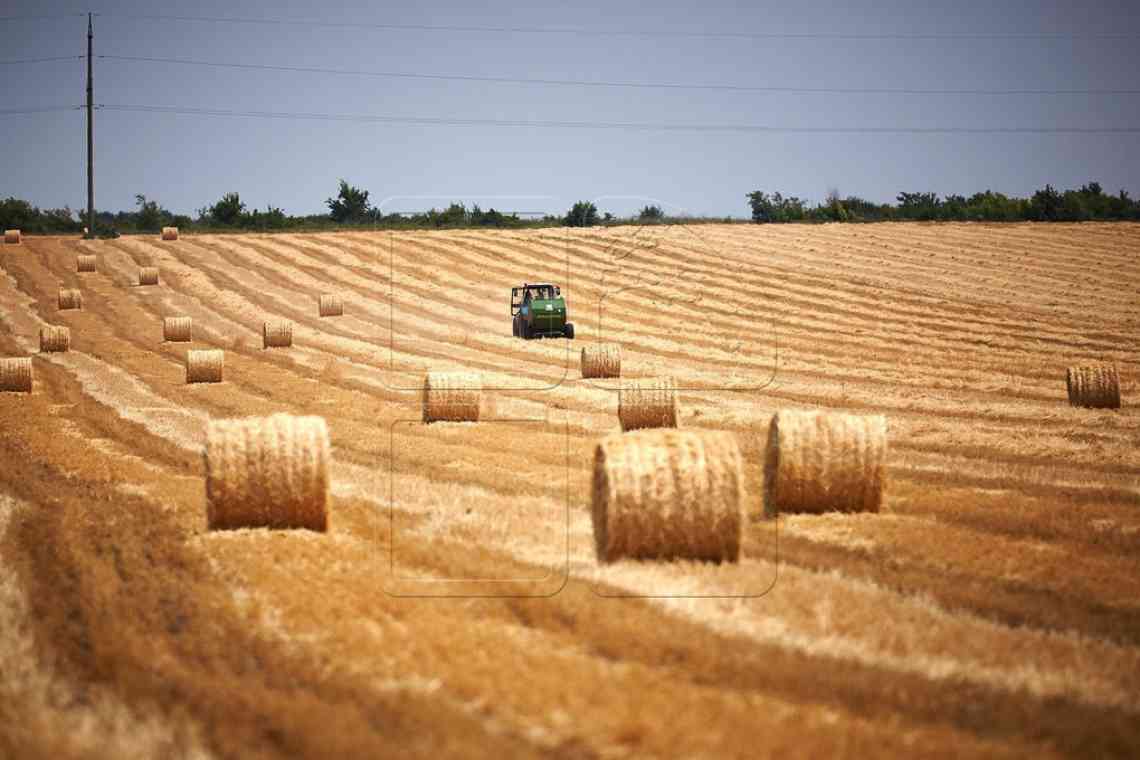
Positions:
{"x": 205, "y": 366}
{"x": 601, "y": 360}
{"x": 452, "y": 396}
{"x": 16, "y": 374}
{"x": 13, "y": 237}
{"x": 148, "y": 276}
{"x": 331, "y": 306}
{"x": 169, "y": 233}
{"x": 277, "y": 334}
{"x": 668, "y": 494}
{"x": 1094, "y": 386}
{"x": 54, "y": 339}
{"x": 824, "y": 462}
{"x": 70, "y": 298}
{"x": 177, "y": 329}
{"x": 648, "y": 403}
{"x": 267, "y": 472}
{"x": 85, "y": 262}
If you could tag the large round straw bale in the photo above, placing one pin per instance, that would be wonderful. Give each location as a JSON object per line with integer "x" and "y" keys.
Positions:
{"x": 54, "y": 338}
{"x": 1094, "y": 386}
{"x": 331, "y": 306}
{"x": 824, "y": 462}
{"x": 668, "y": 494}
{"x": 452, "y": 396}
{"x": 148, "y": 276}
{"x": 267, "y": 472}
{"x": 177, "y": 329}
{"x": 204, "y": 366}
{"x": 85, "y": 262}
{"x": 70, "y": 298}
{"x": 12, "y": 237}
{"x": 601, "y": 360}
{"x": 648, "y": 403}
{"x": 169, "y": 233}
{"x": 277, "y": 334}
{"x": 16, "y": 374}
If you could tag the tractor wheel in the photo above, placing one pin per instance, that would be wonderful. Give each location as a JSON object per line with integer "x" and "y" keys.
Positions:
{"x": 569, "y": 331}
{"x": 524, "y": 330}
{"x": 514, "y": 327}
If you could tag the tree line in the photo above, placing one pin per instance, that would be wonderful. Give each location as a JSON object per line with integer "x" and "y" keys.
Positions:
{"x": 351, "y": 206}
{"x": 1087, "y": 203}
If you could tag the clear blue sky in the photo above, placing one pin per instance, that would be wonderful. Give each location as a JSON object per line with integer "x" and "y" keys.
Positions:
{"x": 187, "y": 161}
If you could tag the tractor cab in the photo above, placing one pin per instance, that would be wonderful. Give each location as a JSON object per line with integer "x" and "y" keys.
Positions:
{"x": 528, "y": 294}
{"x": 539, "y": 310}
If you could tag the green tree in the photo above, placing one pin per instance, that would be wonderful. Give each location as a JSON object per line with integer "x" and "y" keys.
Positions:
{"x": 651, "y": 214}
{"x": 581, "y": 214}
{"x": 228, "y": 211}
{"x": 350, "y": 205}
{"x": 149, "y": 216}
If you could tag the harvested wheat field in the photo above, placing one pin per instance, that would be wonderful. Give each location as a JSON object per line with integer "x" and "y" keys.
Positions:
{"x": 454, "y": 604}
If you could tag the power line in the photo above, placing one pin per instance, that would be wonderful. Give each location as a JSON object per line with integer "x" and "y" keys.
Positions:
{"x": 46, "y": 109}
{"x": 618, "y": 84}
{"x": 43, "y": 60}
{"x": 42, "y": 17}
{"x": 616, "y": 125}
{"x": 578, "y": 31}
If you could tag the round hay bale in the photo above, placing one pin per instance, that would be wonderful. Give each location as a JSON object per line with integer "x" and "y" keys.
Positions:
{"x": 16, "y": 374}
{"x": 277, "y": 334}
{"x": 648, "y": 403}
{"x": 267, "y": 472}
{"x": 1094, "y": 386}
{"x": 148, "y": 276}
{"x": 824, "y": 462}
{"x": 331, "y": 306}
{"x": 85, "y": 262}
{"x": 54, "y": 339}
{"x": 13, "y": 237}
{"x": 601, "y": 360}
{"x": 452, "y": 396}
{"x": 177, "y": 329}
{"x": 70, "y": 298}
{"x": 205, "y": 366}
{"x": 668, "y": 494}
{"x": 169, "y": 233}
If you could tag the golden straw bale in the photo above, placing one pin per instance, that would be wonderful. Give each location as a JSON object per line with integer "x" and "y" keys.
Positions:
{"x": 148, "y": 276}
{"x": 277, "y": 334}
{"x": 648, "y": 403}
{"x": 331, "y": 306}
{"x": 177, "y": 329}
{"x": 267, "y": 472}
{"x": 54, "y": 338}
{"x": 825, "y": 462}
{"x": 205, "y": 366}
{"x": 1094, "y": 386}
{"x": 16, "y": 374}
{"x": 85, "y": 262}
{"x": 668, "y": 494}
{"x": 452, "y": 396}
{"x": 13, "y": 237}
{"x": 601, "y": 360}
{"x": 70, "y": 298}
{"x": 169, "y": 233}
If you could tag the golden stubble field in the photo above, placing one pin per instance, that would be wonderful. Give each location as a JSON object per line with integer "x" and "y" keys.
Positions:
{"x": 455, "y": 607}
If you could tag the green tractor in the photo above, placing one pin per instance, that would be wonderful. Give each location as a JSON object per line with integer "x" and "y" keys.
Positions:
{"x": 539, "y": 311}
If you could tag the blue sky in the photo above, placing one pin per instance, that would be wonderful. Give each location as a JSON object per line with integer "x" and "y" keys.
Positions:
{"x": 188, "y": 161}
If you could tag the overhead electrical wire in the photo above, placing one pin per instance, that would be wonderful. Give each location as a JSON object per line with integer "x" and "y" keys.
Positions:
{"x": 629, "y": 32}
{"x": 44, "y": 109}
{"x": 607, "y": 125}
{"x": 617, "y": 84}
{"x": 43, "y": 60}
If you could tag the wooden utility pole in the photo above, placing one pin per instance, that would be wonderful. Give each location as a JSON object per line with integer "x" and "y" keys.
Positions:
{"x": 90, "y": 135}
